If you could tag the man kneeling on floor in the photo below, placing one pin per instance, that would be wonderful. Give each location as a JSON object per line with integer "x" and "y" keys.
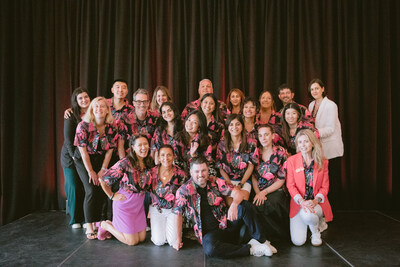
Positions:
{"x": 202, "y": 198}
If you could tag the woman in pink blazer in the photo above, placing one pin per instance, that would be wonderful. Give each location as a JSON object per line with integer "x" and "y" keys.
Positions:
{"x": 308, "y": 185}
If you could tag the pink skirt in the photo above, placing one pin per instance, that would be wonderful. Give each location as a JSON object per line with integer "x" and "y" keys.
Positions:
{"x": 128, "y": 215}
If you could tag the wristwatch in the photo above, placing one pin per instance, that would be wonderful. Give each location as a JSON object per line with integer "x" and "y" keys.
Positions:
{"x": 240, "y": 185}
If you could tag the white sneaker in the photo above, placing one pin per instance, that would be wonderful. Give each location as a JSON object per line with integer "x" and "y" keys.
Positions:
{"x": 257, "y": 249}
{"x": 76, "y": 226}
{"x": 316, "y": 239}
{"x": 322, "y": 225}
{"x": 272, "y": 248}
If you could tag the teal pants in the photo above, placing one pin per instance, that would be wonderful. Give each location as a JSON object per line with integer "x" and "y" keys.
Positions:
{"x": 74, "y": 193}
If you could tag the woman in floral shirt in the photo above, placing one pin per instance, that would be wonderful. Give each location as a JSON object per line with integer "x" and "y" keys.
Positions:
{"x": 96, "y": 137}
{"x": 292, "y": 123}
{"x": 194, "y": 140}
{"x": 215, "y": 124}
{"x": 268, "y": 180}
{"x": 133, "y": 173}
{"x": 234, "y": 101}
{"x": 169, "y": 124}
{"x": 160, "y": 95}
{"x": 167, "y": 178}
{"x": 237, "y": 155}
{"x": 250, "y": 109}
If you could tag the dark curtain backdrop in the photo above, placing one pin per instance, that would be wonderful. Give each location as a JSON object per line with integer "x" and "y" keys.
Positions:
{"x": 48, "y": 48}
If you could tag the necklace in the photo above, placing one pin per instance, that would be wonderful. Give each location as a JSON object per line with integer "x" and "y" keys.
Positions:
{"x": 164, "y": 175}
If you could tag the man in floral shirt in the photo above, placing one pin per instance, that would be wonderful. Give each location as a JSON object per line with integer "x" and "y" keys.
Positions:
{"x": 202, "y": 198}
{"x": 205, "y": 87}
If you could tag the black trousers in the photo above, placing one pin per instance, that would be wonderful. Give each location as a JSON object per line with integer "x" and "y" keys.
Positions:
{"x": 95, "y": 201}
{"x": 335, "y": 183}
{"x": 223, "y": 243}
{"x": 274, "y": 215}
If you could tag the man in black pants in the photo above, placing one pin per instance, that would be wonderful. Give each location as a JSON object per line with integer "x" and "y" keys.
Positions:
{"x": 202, "y": 198}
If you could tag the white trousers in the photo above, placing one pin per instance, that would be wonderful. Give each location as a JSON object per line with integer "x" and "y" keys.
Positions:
{"x": 299, "y": 223}
{"x": 163, "y": 229}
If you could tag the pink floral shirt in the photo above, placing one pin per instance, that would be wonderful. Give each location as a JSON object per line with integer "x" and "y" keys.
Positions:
{"x": 268, "y": 172}
{"x": 88, "y": 136}
{"x": 196, "y": 104}
{"x": 164, "y": 196}
{"x": 135, "y": 126}
{"x": 188, "y": 202}
{"x": 291, "y": 145}
{"x": 121, "y": 114}
{"x": 235, "y": 163}
{"x": 130, "y": 179}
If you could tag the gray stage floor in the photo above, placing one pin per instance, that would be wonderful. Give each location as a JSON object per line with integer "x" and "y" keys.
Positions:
{"x": 44, "y": 239}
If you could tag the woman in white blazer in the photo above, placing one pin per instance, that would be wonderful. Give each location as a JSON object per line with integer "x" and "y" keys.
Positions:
{"x": 325, "y": 113}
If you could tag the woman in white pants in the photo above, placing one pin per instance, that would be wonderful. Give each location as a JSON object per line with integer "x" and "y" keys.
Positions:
{"x": 308, "y": 185}
{"x": 167, "y": 178}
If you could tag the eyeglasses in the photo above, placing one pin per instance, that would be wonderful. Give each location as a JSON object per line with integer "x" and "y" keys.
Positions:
{"x": 141, "y": 102}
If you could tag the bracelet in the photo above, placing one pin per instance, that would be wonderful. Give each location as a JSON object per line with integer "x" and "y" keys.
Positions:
{"x": 112, "y": 196}
{"x": 240, "y": 185}
{"x": 104, "y": 169}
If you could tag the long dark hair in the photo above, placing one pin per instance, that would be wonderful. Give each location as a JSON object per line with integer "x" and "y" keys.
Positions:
{"x": 133, "y": 159}
{"x": 228, "y": 98}
{"x": 285, "y": 125}
{"x": 162, "y": 124}
{"x": 76, "y": 109}
{"x": 228, "y": 137}
{"x": 216, "y": 113}
{"x": 204, "y": 139}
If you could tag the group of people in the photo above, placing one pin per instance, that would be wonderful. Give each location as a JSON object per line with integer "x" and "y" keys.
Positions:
{"x": 238, "y": 173}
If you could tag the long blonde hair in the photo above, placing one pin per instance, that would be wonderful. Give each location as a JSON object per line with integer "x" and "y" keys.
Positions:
{"x": 317, "y": 152}
{"x": 89, "y": 115}
{"x": 154, "y": 105}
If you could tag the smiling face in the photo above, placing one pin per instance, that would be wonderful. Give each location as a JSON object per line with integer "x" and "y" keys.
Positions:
{"x": 166, "y": 157}
{"x": 316, "y": 91}
{"x": 205, "y": 87}
{"x": 208, "y": 105}
{"x": 249, "y": 110}
{"x": 235, "y": 128}
{"x": 141, "y": 103}
{"x": 291, "y": 116}
{"x": 265, "y": 136}
{"x": 83, "y": 100}
{"x": 235, "y": 99}
{"x": 266, "y": 100}
{"x": 167, "y": 113}
{"x": 119, "y": 90}
{"x": 161, "y": 97}
{"x": 100, "y": 109}
{"x": 199, "y": 173}
{"x": 286, "y": 96}
{"x": 192, "y": 124}
{"x": 304, "y": 145}
{"x": 141, "y": 147}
